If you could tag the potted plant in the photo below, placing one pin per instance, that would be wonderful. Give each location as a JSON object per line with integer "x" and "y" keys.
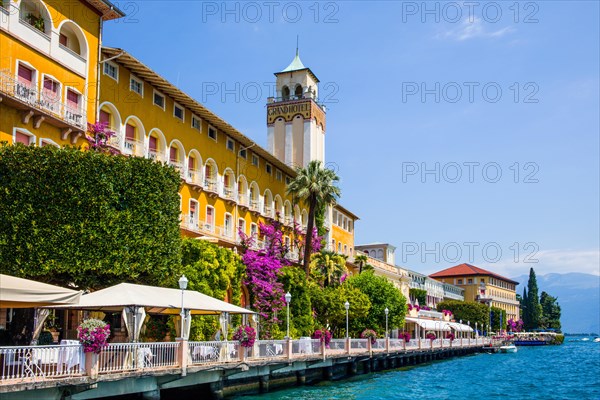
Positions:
{"x": 369, "y": 334}
{"x": 245, "y": 335}
{"x": 405, "y": 336}
{"x": 36, "y": 21}
{"x": 431, "y": 336}
{"x": 93, "y": 334}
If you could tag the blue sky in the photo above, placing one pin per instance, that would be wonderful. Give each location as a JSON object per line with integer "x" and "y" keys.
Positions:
{"x": 502, "y": 87}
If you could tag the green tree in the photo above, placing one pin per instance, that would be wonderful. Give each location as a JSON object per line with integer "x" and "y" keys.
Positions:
{"x": 86, "y": 218}
{"x": 363, "y": 263}
{"x": 382, "y": 294}
{"x": 495, "y": 322}
{"x": 329, "y": 310}
{"x": 534, "y": 309}
{"x": 327, "y": 267}
{"x": 317, "y": 187}
{"x": 551, "y": 312}
{"x": 418, "y": 294}
{"x": 470, "y": 311}
{"x": 301, "y": 316}
{"x": 214, "y": 271}
{"x": 523, "y": 307}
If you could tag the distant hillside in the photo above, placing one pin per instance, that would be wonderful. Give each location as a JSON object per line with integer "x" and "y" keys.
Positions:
{"x": 578, "y": 295}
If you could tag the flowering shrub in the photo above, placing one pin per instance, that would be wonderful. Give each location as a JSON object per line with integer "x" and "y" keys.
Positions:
{"x": 411, "y": 307}
{"x": 405, "y": 336}
{"x": 515, "y": 326}
{"x": 93, "y": 335}
{"x": 99, "y": 136}
{"x": 431, "y": 336}
{"x": 246, "y": 335}
{"x": 324, "y": 335}
{"x": 450, "y": 336}
{"x": 447, "y": 312}
{"x": 369, "y": 334}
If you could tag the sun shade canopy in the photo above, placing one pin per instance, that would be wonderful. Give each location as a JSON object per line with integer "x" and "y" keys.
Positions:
{"x": 155, "y": 300}
{"x": 24, "y": 293}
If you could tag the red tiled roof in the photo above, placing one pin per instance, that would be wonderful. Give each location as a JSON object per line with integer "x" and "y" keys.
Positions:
{"x": 467, "y": 270}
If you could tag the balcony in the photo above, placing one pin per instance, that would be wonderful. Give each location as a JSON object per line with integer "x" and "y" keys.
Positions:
{"x": 194, "y": 178}
{"x": 41, "y": 108}
{"x": 133, "y": 147}
{"x": 210, "y": 186}
{"x": 255, "y": 206}
{"x": 229, "y": 195}
{"x": 268, "y": 211}
{"x": 156, "y": 155}
{"x": 179, "y": 167}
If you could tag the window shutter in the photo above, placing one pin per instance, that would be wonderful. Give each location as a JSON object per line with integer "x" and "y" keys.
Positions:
{"x": 25, "y": 74}
{"x": 173, "y": 154}
{"x": 104, "y": 117}
{"x": 62, "y": 39}
{"x": 72, "y": 99}
{"x": 22, "y": 138}
{"x": 152, "y": 143}
{"x": 191, "y": 162}
{"x": 129, "y": 132}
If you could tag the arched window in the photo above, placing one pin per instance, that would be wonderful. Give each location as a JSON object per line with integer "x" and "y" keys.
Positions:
{"x": 134, "y": 133}
{"x": 268, "y": 206}
{"x": 242, "y": 190}
{"x": 34, "y": 13}
{"x": 298, "y": 91}
{"x": 287, "y": 212}
{"x": 194, "y": 167}
{"x": 210, "y": 175}
{"x": 285, "y": 93}
{"x": 228, "y": 184}
{"x": 253, "y": 194}
{"x": 72, "y": 39}
{"x": 156, "y": 145}
{"x": 278, "y": 207}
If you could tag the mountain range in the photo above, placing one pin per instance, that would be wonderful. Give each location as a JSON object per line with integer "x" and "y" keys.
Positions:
{"x": 578, "y": 295}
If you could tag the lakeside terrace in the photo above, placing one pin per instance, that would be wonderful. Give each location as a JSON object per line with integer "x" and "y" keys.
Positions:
{"x": 54, "y": 370}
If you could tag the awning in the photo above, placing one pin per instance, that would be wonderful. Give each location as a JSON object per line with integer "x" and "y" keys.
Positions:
{"x": 460, "y": 327}
{"x": 430, "y": 325}
{"x": 24, "y": 293}
{"x": 155, "y": 300}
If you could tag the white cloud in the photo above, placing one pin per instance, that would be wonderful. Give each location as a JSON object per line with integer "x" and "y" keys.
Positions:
{"x": 551, "y": 261}
{"x": 475, "y": 28}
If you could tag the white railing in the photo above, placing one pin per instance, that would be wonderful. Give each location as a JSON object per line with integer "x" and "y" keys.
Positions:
{"x": 194, "y": 176}
{"x": 215, "y": 351}
{"x": 229, "y": 193}
{"x": 379, "y": 345}
{"x": 121, "y": 357}
{"x": 337, "y": 346}
{"x": 306, "y": 346}
{"x": 397, "y": 344}
{"x": 254, "y": 205}
{"x": 358, "y": 345}
{"x": 156, "y": 155}
{"x": 40, "y": 362}
{"x": 179, "y": 166}
{"x": 412, "y": 344}
{"x": 210, "y": 185}
{"x": 271, "y": 349}
{"x": 29, "y": 94}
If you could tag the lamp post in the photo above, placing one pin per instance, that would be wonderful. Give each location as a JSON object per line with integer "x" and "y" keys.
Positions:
{"x": 288, "y": 298}
{"x": 476, "y": 333}
{"x": 183, "y": 281}
{"x": 347, "y": 307}
{"x": 386, "y": 321}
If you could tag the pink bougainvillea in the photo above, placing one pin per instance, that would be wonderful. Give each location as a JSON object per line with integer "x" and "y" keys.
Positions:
{"x": 98, "y": 136}
{"x": 245, "y": 335}
{"x": 93, "y": 335}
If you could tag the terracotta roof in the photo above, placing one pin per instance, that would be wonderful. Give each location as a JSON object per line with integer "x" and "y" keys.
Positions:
{"x": 107, "y": 9}
{"x": 468, "y": 270}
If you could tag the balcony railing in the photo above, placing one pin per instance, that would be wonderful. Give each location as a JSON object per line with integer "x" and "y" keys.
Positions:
{"x": 254, "y": 205}
{"x": 179, "y": 167}
{"x": 229, "y": 193}
{"x": 210, "y": 185}
{"x": 194, "y": 176}
{"x": 28, "y": 94}
{"x": 156, "y": 155}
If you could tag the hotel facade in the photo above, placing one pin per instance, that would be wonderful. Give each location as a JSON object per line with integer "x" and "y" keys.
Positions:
{"x": 483, "y": 286}
{"x": 56, "y": 77}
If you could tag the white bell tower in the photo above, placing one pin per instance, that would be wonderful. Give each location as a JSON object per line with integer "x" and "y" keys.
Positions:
{"x": 295, "y": 120}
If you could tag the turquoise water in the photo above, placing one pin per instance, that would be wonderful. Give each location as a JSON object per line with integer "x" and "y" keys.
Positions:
{"x": 570, "y": 371}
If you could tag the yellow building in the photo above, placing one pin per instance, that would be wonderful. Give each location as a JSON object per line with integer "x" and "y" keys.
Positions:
{"x": 483, "y": 286}
{"x": 55, "y": 78}
{"x": 49, "y": 68}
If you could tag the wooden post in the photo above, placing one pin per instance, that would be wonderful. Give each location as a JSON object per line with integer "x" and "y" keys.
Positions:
{"x": 387, "y": 344}
{"x": 347, "y": 345}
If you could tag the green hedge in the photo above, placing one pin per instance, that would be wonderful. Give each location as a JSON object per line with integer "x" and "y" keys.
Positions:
{"x": 87, "y": 218}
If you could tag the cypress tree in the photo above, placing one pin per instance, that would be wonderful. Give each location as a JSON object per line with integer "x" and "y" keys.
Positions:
{"x": 534, "y": 309}
{"x": 524, "y": 314}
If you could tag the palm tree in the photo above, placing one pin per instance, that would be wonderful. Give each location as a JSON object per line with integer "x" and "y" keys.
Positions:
{"x": 361, "y": 260}
{"x": 317, "y": 187}
{"x": 329, "y": 266}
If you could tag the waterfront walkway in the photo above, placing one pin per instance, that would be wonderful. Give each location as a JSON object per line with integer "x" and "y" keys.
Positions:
{"x": 64, "y": 371}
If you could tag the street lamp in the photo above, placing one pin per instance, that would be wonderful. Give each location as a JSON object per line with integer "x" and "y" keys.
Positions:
{"x": 347, "y": 307}
{"x": 183, "y": 281}
{"x": 386, "y": 321}
{"x": 288, "y": 298}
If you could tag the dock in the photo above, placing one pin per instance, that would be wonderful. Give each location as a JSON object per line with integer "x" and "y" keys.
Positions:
{"x": 217, "y": 368}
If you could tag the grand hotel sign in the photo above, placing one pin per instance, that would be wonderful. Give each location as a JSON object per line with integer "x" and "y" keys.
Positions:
{"x": 307, "y": 109}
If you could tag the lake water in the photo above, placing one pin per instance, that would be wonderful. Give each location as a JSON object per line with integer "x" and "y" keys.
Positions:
{"x": 570, "y": 371}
